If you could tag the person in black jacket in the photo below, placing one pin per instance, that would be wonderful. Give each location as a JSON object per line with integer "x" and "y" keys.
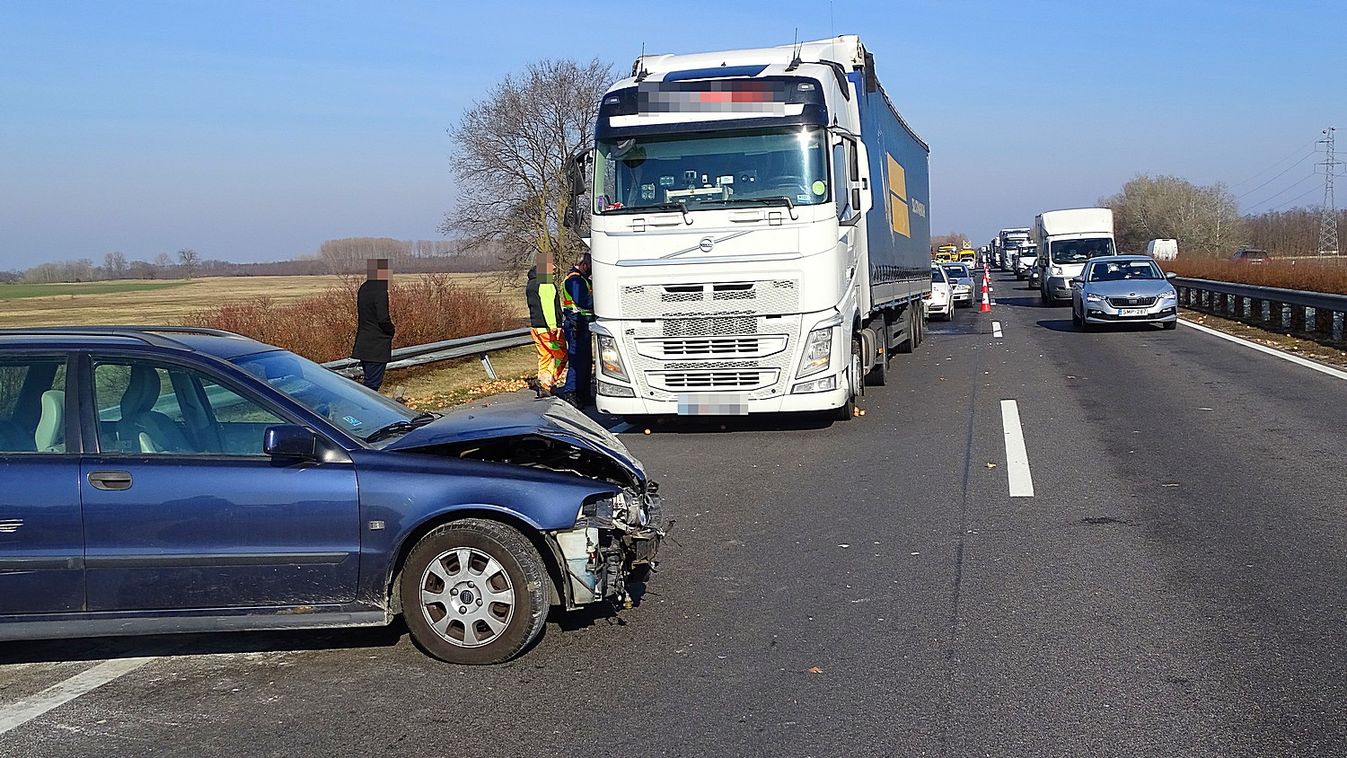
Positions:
{"x": 374, "y": 328}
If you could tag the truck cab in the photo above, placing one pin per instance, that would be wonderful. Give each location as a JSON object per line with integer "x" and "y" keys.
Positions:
{"x": 1065, "y": 240}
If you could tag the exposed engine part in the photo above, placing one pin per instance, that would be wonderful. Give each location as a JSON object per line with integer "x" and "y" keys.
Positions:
{"x": 543, "y": 453}
{"x": 614, "y": 542}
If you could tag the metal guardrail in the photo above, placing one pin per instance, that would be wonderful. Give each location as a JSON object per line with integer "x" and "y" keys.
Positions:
{"x": 480, "y": 346}
{"x": 1320, "y": 315}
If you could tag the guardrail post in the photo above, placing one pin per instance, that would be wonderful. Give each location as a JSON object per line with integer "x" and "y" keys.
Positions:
{"x": 486, "y": 365}
{"x": 1256, "y": 309}
{"x": 1277, "y": 314}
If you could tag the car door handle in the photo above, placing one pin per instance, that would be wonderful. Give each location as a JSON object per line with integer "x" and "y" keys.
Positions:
{"x": 110, "y": 480}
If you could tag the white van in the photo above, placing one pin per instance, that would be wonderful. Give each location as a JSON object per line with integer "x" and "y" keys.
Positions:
{"x": 1163, "y": 250}
{"x": 1066, "y": 239}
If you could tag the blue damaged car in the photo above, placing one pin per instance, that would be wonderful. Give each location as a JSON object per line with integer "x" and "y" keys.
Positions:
{"x": 167, "y": 479}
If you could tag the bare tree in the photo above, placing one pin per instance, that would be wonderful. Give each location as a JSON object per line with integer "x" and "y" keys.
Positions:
{"x": 1204, "y": 220}
{"x": 114, "y": 264}
{"x": 511, "y": 160}
{"x": 188, "y": 260}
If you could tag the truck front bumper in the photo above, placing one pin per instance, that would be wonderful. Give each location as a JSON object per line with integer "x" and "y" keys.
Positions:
{"x": 708, "y": 403}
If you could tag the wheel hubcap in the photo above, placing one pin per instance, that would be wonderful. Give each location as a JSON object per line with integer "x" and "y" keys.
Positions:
{"x": 467, "y": 597}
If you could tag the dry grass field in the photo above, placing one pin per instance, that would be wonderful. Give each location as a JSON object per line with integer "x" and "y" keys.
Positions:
{"x": 159, "y": 304}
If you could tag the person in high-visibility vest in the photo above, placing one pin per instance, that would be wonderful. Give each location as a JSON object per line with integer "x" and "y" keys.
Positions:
{"x": 577, "y": 312}
{"x": 545, "y": 328}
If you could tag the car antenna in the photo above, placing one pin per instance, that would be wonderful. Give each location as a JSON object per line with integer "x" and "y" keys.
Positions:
{"x": 795, "y": 57}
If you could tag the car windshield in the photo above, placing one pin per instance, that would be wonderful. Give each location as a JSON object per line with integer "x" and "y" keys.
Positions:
{"x": 958, "y": 271}
{"x": 1116, "y": 271}
{"x": 712, "y": 170}
{"x": 350, "y": 406}
{"x": 1079, "y": 251}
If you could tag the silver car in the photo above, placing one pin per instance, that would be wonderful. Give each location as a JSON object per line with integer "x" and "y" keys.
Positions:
{"x": 961, "y": 281}
{"x": 1123, "y": 289}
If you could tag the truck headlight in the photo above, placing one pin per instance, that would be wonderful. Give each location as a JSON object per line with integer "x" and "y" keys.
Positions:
{"x": 1056, "y": 270}
{"x": 610, "y": 360}
{"x": 818, "y": 352}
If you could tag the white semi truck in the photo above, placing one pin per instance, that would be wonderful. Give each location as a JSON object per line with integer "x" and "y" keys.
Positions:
{"x": 759, "y": 232}
{"x": 1066, "y": 239}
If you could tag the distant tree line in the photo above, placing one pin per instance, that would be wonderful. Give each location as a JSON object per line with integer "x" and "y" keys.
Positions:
{"x": 1205, "y": 220}
{"x": 344, "y": 256}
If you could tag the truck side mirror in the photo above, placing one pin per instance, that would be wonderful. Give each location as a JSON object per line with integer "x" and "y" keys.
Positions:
{"x": 575, "y": 173}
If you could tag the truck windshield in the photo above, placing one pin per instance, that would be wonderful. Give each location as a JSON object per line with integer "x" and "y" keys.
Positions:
{"x": 1079, "y": 251}
{"x": 712, "y": 169}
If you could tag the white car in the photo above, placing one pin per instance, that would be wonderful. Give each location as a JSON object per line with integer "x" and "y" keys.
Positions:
{"x": 940, "y": 300}
{"x": 961, "y": 282}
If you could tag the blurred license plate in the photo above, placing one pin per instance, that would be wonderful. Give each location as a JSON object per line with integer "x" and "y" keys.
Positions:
{"x": 1131, "y": 311}
{"x": 713, "y": 404}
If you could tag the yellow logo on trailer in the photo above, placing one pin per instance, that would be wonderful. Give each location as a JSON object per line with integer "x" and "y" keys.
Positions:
{"x": 897, "y": 198}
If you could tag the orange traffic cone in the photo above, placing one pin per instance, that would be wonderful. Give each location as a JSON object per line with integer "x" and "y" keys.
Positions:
{"x": 986, "y": 294}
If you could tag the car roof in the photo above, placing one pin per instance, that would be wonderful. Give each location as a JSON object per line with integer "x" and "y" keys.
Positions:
{"x": 214, "y": 342}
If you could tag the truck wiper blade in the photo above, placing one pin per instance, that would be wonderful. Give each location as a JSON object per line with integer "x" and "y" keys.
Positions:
{"x": 769, "y": 200}
{"x": 656, "y": 208}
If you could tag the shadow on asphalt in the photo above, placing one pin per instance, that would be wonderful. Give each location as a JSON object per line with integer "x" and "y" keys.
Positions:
{"x": 1065, "y": 325}
{"x": 785, "y": 422}
{"x": 97, "y": 649}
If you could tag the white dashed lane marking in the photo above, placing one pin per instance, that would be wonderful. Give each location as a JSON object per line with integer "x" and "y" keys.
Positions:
{"x": 21, "y": 712}
{"x": 996, "y": 329}
{"x": 1017, "y": 457}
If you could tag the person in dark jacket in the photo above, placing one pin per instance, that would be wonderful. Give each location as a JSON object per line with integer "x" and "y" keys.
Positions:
{"x": 545, "y": 328}
{"x": 577, "y": 313}
{"x": 374, "y": 328}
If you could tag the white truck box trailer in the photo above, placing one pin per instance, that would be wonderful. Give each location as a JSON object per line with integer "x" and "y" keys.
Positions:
{"x": 1065, "y": 240}
{"x": 760, "y": 232}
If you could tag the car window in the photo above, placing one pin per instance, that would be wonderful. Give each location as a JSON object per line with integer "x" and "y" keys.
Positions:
{"x": 32, "y": 405}
{"x": 145, "y": 407}
{"x": 957, "y": 271}
{"x": 938, "y": 276}
{"x": 1116, "y": 271}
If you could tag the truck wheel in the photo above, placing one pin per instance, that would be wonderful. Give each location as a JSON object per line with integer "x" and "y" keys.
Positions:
{"x": 854, "y": 382}
{"x": 474, "y": 591}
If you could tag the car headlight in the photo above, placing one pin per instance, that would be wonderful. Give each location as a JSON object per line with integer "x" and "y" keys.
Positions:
{"x": 1170, "y": 295}
{"x": 1093, "y": 298}
{"x": 610, "y": 360}
{"x": 818, "y": 352}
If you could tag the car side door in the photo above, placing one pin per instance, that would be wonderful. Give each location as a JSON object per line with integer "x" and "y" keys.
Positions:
{"x": 41, "y": 535}
{"x": 184, "y": 510}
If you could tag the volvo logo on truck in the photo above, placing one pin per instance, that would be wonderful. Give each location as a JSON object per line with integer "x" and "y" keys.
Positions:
{"x": 706, "y": 245}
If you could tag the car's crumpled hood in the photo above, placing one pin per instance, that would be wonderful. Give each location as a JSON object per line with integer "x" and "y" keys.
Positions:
{"x": 1131, "y": 288}
{"x": 552, "y": 419}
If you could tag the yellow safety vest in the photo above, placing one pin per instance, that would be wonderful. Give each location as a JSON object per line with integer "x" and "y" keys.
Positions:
{"x": 567, "y": 302}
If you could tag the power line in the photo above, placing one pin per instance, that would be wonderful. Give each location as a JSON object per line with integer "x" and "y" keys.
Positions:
{"x": 1269, "y": 168}
{"x": 1293, "y": 200}
{"x": 1288, "y": 188}
{"x": 1278, "y": 176}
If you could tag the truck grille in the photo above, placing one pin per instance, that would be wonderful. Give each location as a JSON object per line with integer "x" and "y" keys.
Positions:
{"x": 774, "y": 296}
{"x": 694, "y": 381}
{"x": 710, "y": 348}
{"x": 708, "y": 327}
{"x": 1130, "y": 302}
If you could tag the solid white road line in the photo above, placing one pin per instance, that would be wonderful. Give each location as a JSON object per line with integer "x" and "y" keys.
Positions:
{"x": 1017, "y": 458}
{"x": 1321, "y": 368}
{"x": 622, "y": 428}
{"x": 996, "y": 329}
{"x": 29, "y": 708}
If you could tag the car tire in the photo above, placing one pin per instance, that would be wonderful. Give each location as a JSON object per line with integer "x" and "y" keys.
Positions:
{"x": 462, "y": 635}
{"x": 1075, "y": 319}
{"x": 1171, "y": 324}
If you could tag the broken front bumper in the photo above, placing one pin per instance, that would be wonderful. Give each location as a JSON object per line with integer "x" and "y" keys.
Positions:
{"x": 614, "y": 544}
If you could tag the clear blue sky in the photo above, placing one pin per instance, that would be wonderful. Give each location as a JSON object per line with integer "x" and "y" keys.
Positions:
{"x": 256, "y": 130}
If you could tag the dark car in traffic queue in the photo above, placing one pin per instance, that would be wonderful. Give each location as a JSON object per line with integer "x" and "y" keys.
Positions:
{"x": 162, "y": 479}
{"x": 1120, "y": 289}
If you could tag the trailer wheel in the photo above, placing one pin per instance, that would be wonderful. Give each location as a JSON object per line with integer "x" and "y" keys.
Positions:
{"x": 909, "y": 344}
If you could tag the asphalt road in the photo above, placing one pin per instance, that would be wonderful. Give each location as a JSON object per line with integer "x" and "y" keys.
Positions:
{"x": 1176, "y": 586}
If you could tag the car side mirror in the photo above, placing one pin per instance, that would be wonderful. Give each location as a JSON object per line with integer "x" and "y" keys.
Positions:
{"x": 290, "y": 441}
{"x": 1077, "y": 281}
{"x": 1171, "y": 275}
